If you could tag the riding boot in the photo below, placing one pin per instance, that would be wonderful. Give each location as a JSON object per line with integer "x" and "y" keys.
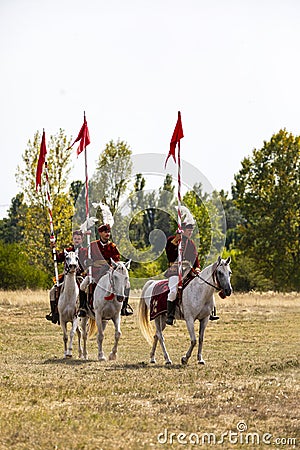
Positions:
{"x": 82, "y": 304}
{"x": 213, "y": 315}
{"x": 54, "y": 315}
{"x": 126, "y": 308}
{"x": 171, "y": 307}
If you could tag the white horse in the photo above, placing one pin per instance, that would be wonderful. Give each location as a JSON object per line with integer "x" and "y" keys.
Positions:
{"x": 197, "y": 303}
{"x": 67, "y": 304}
{"x": 107, "y": 301}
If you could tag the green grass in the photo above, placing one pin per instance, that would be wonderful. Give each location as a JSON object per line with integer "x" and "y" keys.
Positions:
{"x": 251, "y": 377}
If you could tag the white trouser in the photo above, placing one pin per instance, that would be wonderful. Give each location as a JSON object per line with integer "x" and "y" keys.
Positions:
{"x": 173, "y": 286}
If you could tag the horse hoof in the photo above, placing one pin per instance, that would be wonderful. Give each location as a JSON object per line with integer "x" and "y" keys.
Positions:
{"x": 201, "y": 362}
{"x": 112, "y": 357}
{"x": 152, "y": 361}
{"x": 168, "y": 363}
{"x": 184, "y": 361}
{"x": 68, "y": 356}
{"x": 102, "y": 358}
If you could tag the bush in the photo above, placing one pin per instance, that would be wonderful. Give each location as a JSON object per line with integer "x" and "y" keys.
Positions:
{"x": 246, "y": 276}
{"x": 16, "y": 272}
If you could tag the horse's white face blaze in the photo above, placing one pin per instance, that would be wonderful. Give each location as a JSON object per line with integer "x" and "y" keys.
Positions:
{"x": 120, "y": 279}
{"x": 71, "y": 261}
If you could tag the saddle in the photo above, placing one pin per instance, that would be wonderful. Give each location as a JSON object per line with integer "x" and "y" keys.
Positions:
{"x": 158, "y": 301}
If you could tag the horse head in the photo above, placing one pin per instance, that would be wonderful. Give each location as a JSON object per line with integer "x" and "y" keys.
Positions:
{"x": 120, "y": 277}
{"x": 222, "y": 273}
{"x": 71, "y": 262}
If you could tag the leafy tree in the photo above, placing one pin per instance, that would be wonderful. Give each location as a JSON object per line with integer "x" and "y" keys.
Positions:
{"x": 266, "y": 191}
{"x": 166, "y": 205}
{"x": 208, "y": 212}
{"x": 112, "y": 174}
{"x": 17, "y": 271}
{"x": 75, "y": 189}
{"x": 35, "y": 222}
{"x": 233, "y": 220}
{"x": 11, "y": 228}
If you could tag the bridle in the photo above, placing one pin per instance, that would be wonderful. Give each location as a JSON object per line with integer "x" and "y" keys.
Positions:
{"x": 120, "y": 298}
{"x": 67, "y": 265}
{"x": 214, "y": 277}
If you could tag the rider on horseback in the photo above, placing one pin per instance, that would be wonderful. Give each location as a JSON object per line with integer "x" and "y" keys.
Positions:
{"x": 55, "y": 290}
{"x": 102, "y": 251}
{"x": 190, "y": 255}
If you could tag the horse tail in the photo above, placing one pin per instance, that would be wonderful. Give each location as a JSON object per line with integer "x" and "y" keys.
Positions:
{"x": 143, "y": 316}
{"x": 92, "y": 326}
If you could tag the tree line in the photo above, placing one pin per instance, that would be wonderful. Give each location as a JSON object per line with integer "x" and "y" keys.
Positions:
{"x": 261, "y": 216}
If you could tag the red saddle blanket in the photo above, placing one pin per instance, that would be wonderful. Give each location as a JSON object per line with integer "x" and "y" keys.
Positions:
{"x": 158, "y": 302}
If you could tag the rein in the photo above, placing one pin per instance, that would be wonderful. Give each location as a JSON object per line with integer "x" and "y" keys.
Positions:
{"x": 214, "y": 276}
{"x": 67, "y": 268}
{"x": 111, "y": 296}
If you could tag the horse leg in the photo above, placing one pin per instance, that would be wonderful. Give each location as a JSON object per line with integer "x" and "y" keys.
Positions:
{"x": 84, "y": 333}
{"x": 72, "y": 333}
{"x": 153, "y": 350}
{"x": 191, "y": 330}
{"x": 78, "y": 331}
{"x": 160, "y": 323}
{"x": 202, "y": 327}
{"x": 101, "y": 324}
{"x": 65, "y": 337}
{"x": 113, "y": 353}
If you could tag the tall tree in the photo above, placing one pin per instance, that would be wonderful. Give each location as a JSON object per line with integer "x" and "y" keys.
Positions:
{"x": 36, "y": 220}
{"x": 234, "y": 219}
{"x": 11, "y": 228}
{"x": 267, "y": 192}
{"x": 112, "y": 174}
{"x": 166, "y": 216}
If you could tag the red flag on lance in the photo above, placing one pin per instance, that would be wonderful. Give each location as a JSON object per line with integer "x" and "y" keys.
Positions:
{"x": 83, "y": 137}
{"x": 177, "y": 135}
{"x": 42, "y": 162}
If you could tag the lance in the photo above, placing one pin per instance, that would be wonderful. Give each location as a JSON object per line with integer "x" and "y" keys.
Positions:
{"x": 84, "y": 140}
{"x": 42, "y": 161}
{"x": 179, "y": 222}
{"x": 87, "y": 213}
{"x": 52, "y": 235}
{"x": 177, "y": 135}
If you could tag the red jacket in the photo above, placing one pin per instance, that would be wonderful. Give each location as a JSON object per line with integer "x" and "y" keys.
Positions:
{"x": 101, "y": 254}
{"x": 189, "y": 251}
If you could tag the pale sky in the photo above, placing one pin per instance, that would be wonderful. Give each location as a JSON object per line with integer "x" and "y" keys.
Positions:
{"x": 230, "y": 66}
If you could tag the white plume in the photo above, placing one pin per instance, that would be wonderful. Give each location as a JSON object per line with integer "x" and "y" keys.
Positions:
{"x": 106, "y": 213}
{"x": 186, "y": 215}
{"x": 89, "y": 223}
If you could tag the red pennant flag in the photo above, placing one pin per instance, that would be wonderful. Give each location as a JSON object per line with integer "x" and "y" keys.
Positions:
{"x": 41, "y": 161}
{"x": 83, "y": 137}
{"x": 177, "y": 135}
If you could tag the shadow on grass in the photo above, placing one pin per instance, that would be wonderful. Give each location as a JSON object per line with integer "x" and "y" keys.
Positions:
{"x": 107, "y": 365}
{"x": 144, "y": 365}
{"x": 68, "y": 361}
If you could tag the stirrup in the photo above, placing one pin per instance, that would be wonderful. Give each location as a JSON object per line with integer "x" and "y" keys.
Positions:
{"x": 127, "y": 310}
{"x": 211, "y": 317}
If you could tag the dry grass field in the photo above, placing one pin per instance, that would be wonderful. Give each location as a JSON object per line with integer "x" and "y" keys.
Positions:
{"x": 245, "y": 397}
